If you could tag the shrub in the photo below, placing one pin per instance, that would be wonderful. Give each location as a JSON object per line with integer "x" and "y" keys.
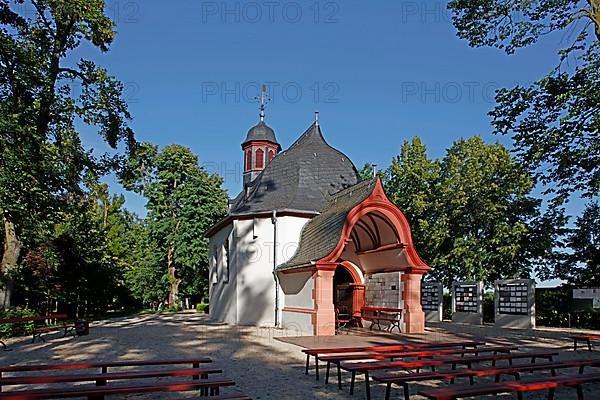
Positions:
{"x": 202, "y": 307}
{"x": 9, "y": 330}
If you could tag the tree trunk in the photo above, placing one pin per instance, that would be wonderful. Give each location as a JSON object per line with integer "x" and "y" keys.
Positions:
{"x": 174, "y": 282}
{"x": 10, "y": 257}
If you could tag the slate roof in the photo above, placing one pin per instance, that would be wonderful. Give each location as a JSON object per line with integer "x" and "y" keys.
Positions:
{"x": 299, "y": 178}
{"x": 321, "y": 234}
{"x": 262, "y": 132}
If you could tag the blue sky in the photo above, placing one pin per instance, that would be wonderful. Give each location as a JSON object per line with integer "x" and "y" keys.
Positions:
{"x": 378, "y": 72}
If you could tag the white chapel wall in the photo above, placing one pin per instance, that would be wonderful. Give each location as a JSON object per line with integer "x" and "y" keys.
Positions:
{"x": 222, "y": 283}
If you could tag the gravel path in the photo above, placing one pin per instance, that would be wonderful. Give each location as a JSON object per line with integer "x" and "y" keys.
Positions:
{"x": 265, "y": 363}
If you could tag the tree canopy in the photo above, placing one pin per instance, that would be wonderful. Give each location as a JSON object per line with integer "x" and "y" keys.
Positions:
{"x": 470, "y": 212}
{"x": 554, "y": 122}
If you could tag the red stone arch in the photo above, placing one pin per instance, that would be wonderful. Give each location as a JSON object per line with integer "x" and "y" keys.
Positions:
{"x": 378, "y": 202}
{"x": 413, "y": 268}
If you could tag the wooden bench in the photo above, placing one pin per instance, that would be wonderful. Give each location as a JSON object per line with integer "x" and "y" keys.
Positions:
{"x": 584, "y": 338}
{"x": 103, "y": 365}
{"x": 377, "y": 315}
{"x": 39, "y": 330}
{"x": 519, "y": 387}
{"x": 200, "y": 379}
{"x": 404, "y": 379}
{"x": 383, "y": 348}
{"x": 98, "y": 392}
{"x": 366, "y": 367}
{"x": 338, "y": 358}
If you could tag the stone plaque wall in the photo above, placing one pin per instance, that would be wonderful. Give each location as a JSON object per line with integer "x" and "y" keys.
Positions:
{"x": 467, "y": 302}
{"x": 432, "y": 298}
{"x": 514, "y": 302}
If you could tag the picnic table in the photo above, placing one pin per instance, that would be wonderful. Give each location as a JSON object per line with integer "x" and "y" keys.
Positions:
{"x": 50, "y": 324}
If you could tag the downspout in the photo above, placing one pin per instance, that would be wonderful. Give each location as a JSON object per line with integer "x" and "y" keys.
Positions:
{"x": 274, "y": 221}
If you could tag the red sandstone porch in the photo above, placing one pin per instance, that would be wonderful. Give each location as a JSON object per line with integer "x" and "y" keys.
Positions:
{"x": 361, "y": 243}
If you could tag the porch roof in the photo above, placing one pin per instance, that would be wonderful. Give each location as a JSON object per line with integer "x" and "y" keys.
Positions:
{"x": 321, "y": 235}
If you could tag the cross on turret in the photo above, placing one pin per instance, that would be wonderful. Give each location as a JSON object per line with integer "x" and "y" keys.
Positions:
{"x": 262, "y": 99}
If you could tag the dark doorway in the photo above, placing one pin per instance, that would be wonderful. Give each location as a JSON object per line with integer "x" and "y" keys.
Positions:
{"x": 342, "y": 290}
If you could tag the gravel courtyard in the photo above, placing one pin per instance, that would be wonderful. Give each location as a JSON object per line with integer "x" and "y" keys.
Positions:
{"x": 265, "y": 363}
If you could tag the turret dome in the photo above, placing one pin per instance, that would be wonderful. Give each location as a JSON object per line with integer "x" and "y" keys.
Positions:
{"x": 261, "y": 132}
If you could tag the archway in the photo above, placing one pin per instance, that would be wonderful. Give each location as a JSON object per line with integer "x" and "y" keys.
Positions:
{"x": 342, "y": 290}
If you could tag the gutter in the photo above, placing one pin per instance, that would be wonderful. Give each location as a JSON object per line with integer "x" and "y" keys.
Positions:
{"x": 274, "y": 222}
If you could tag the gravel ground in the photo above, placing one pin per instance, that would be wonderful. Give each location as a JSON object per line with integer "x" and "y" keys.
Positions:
{"x": 265, "y": 363}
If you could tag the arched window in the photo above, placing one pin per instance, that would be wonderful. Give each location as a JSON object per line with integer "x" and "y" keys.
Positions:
{"x": 248, "y": 160}
{"x": 260, "y": 159}
{"x": 271, "y": 155}
{"x": 226, "y": 261}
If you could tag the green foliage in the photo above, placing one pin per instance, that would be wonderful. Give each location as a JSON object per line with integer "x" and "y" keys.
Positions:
{"x": 555, "y": 121}
{"x": 555, "y": 307}
{"x": 581, "y": 266}
{"x": 17, "y": 329}
{"x": 470, "y": 212}
{"x": 44, "y": 169}
{"x": 202, "y": 307}
{"x": 489, "y": 315}
{"x": 183, "y": 202}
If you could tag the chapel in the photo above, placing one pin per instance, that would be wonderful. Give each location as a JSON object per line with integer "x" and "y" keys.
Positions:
{"x": 306, "y": 238}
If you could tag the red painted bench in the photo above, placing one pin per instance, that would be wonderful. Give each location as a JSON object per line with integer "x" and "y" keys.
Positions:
{"x": 584, "y": 338}
{"x": 98, "y": 393}
{"x": 377, "y": 315}
{"x": 200, "y": 380}
{"x": 103, "y": 365}
{"x": 366, "y": 367}
{"x": 519, "y": 387}
{"x": 382, "y": 349}
{"x": 403, "y": 379}
{"x": 338, "y": 358}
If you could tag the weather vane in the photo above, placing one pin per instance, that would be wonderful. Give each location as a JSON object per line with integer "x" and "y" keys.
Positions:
{"x": 263, "y": 99}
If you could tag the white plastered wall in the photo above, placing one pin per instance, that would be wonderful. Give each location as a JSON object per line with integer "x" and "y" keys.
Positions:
{"x": 222, "y": 286}
{"x": 249, "y": 296}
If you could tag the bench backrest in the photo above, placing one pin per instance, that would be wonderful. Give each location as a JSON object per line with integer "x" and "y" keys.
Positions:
{"x": 58, "y": 367}
{"x": 382, "y": 309}
{"x": 396, "y": 347}
{"x": 33, "y": 318}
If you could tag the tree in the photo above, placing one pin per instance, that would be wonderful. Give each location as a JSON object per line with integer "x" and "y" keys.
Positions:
{"x": 470, "y": 213}
{"x": 43, "y": 166}
{"x": 183, "y": 202}
{"x": 581, "y": 266}
{"x": 555, "y": 121}
{"x": 411, "y": 182}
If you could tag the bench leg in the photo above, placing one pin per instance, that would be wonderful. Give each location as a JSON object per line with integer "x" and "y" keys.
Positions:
{"x": 352, "y": 380}
{"x": 589, "y": 343}
{"x": 339, "y": 373}
{"x": 520, "y": 395}
{"x": 327, "y": 372}
{"x": 388, "y": 389}
{"x": 551, "y": 393}
{"x": 579, "y": 392}
{"x": 406, "y": 391}
{"x": 307, "y": 362}
{"x": 317, "y": 367}
{"x": 368, "y": 385}
{"x": 574, "y": 344}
